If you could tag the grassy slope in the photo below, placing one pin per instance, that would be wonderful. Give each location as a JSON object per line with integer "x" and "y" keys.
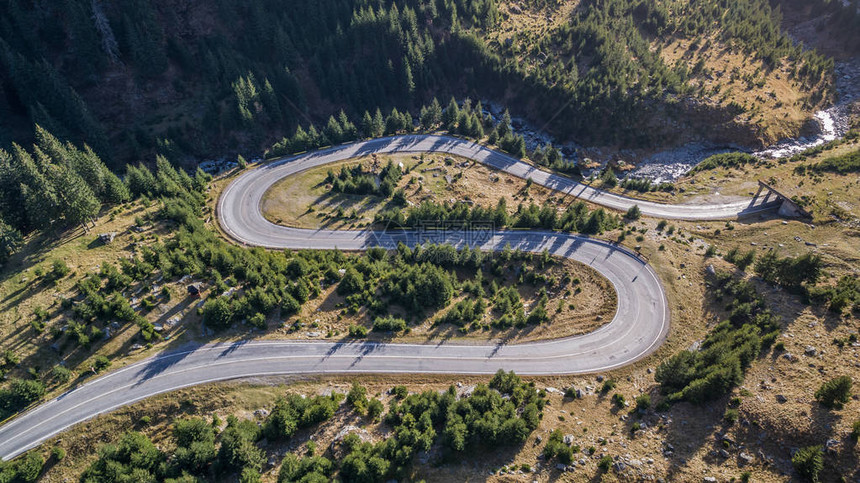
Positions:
{"x": 776, "y": 106}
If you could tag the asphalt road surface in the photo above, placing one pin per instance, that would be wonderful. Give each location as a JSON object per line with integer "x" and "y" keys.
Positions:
{"x": 639, "y": 327}
{"x": 269, "y": 173}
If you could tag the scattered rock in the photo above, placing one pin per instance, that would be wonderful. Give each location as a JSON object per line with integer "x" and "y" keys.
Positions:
{"x": 810, "y": 351}
{"x": 709, "y": 479}
{"x": 781, "y": 399}
{"x": 745, "y": 459}
{"x": 107, "y": 238}
{"x": 561, "y": 467}
{"x": 832, "y": 446}
{"x": 261, "y": 413}
{"x": 724, "y": 453}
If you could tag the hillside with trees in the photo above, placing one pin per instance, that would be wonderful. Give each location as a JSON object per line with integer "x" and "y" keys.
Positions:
{"x": 136, "y": 77}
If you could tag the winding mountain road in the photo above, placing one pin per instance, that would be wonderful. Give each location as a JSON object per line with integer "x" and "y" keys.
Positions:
{"x": 639, "y": 327}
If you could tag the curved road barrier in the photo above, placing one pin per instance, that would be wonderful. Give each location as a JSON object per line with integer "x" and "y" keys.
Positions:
{"x": 640, "y": 324}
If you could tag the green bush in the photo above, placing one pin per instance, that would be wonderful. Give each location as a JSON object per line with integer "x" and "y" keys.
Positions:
{"x": 101, "y": 363}
{"x": 195, "y": 441}
{"x": 61, "y": 374}
{"x": 731, "y": 416}
{"x": 834, "y": 393}
{"x": 790, "y": 272}
{"x": 58, "y": 453}
{"x": 400, "y": 392}
{"x": 134, "y": 458}
{"x": 309, "y": 469}
{"x": 374, "y": 409}
{"x": 357, "y": 397}
{"x": 608, "y": 385}
{"x": 605, "y": 463}
{"x": 843, "y": 164}
{"x": 725, "y": 160}
{"x": 218, "y": 313}
{"x": 634, "y": 213}
{"x": 808, "y": 462}
{"x": 29, "y": 467}
{"x": 59, "y": 270}
{"x": 555, "y": 447}
{"x": 389, "y": 324}
{"x": 238, "y": 450}
{"x": 295, "y": 412}
{"x": 258, "y": 321}
{"x": 357, "y": 331}
{"x": 643, "y": 402}
{"x": 20, "y": 394}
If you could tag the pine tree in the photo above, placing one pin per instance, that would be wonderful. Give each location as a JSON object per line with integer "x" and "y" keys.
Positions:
{"x": 115, "y": 191}
{"x": 102, "y": 24}
{"x": 301, "y": 140}
{"x": 350, "y": 133}
{"x": 10, "y": 191}
{"x": 378, "y": 124}
{"x": 10, "y": 241}
{"x": 476, "y": 128}
{"x": 408, "y": 80}
{"x": 504, "y": 127}
{"x": 79, "y": 204}
{"x": 451, "y": 115}
{"x": 51, "y": 146}
{"x": 316, "y": 139}
{"x": 333, "y": 130}
{"x": 406, "y": 121}
{"x": 140, "y": 180}
{"x": 270, "y": 102}
{"x": 41, "y": 203}
{"x": 435, "y": 110}
{"x": 392, "y": 122}
{"x": 367, "y": 125}
{"x": 425, "y": 118}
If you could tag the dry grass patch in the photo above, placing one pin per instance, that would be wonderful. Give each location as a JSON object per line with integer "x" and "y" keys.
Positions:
{"x": 306, "y": 201}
